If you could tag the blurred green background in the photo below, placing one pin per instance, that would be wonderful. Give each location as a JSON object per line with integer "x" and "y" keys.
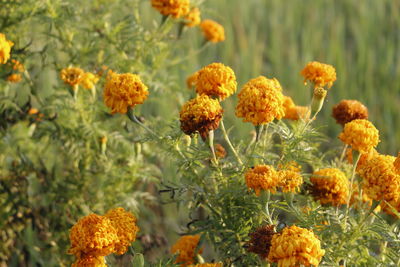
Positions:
{"x": 276, "y": 38}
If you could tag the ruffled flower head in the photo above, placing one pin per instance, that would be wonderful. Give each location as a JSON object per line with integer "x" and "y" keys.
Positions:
{"x": 348, "y": 110}
{"x": 201, "y": 114}
{"x": 396, "y": 163}
{"x": 125, "y": 224}
{"x": 186, "y": 247}
{"x": 216, "y": 80}
{"x": 290, "y": 181}
{"x": 320, "y": 74}
{"x": 262, "y": 178}
{"x": 174, "y": 8}
{"x": 14, "y": 78}
{"x": 72, "y": 76}
{"x": 295, "y": 246}
{"x": 260, "y": 101}
{"x": 89, "y": 261}
{"x": 361, "y": 135}
{"x": 89, "y": 80}
{"x": 5, "y": 49}
{"x": 213, "y": 31}
{"x": 193, "y": 17}
{"x": 191, "y": 80}
{"x": 330, "y": 186}
{"x": 123, "y": 91}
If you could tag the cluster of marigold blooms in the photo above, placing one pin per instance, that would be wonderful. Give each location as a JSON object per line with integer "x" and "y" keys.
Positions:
{"x": 15, "y": 66}
{"x": 94, "y": 236}
{"x": 191, "y": 17}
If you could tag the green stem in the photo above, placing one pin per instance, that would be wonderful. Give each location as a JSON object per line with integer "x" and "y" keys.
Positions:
{"x": 351, "y": 188}
{"x": 134, "y": 119}
{"x": 211, "y": 145}
{"x": 226, "y": 137}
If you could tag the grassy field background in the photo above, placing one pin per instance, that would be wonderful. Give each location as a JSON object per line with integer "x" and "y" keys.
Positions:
{"x": 277, "y": 38}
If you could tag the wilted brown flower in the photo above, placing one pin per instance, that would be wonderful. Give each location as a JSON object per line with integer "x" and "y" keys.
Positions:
{"x": 348, "y": 110}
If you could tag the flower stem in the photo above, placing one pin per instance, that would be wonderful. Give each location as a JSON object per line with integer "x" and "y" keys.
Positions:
{"x": 134, "y": 119}
{"x": 351, "y": 187}
{"x": 226, "y": 137}
{"x": 211, "y": 145}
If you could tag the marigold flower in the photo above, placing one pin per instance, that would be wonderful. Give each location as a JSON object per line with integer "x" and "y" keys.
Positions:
{"x": 201, "y": 114}
{"x": 186, "y": 248}
{"x": 14, "y": 78}
{"x": 348, "y": 110}
{"x": 125, "y": 224}
{"x": 216, "y": 80}
{"x": 89, "y": 261}
{"x": 260, "y": 101}
{"x": 361, "y": 135}
{"x": 213, "y": 31}
{"x": 330, "y": 186}
{"x": 123, "y": 91}
{"x": 193, "y": 17}
{"x": 174, "y": 8}
{"x": 89, "y": 80}
{"x": 290, "y": 181}
{"x": 33, "y": 111}
{"x": 5, "y": 49}
{"x": 72, "y": 76}
{"x": 294, "y": 246}
{"x": 293, "y": 112}
{"x": 380, "y": 180}
{"x": 260, "y": 241}
{"x": 93, "y": 235}
{"x": 18, "y": 66}
{"x": 262, "y": 177}
{"x": 191, "y": 80}
{"x": 320, "y": 74}
{"x": 396, "y": 163}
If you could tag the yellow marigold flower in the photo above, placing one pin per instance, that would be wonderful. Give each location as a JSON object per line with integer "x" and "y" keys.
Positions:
{"x": 123, "y": 91}
{"x": 14, "y": 78}
{"x": 348, "y": 110}
{"x": 72, "y": 76}
{"x": 290, "y": 181}
{"x": 213, "y": 31}
{"x": 125, "y": 224}
{"x": 5, "y": 49}
{"x": 33, "y": 111}
{"x": 16, "y": 65}
{"x": 174, "y": 8}
{"x": 330, "y": 186}
{"x": 193, "y": 17}
{"x": 396, "y": 163}
{"x": 201, "y": 114}
{"x": 191, "y": 80}
{"x": 93, "y": 235}
{"x": 216, "y": 80}
{"x": 320, "y": 74}
{"x": 262, "y": 177}
{"x": 260, "y": 101}
{"x": 186, "y": 248}
{"x": 295, "y": 246}
{"x": 89, "y": 80}
{"x": 260, "y": 240}
{"x": 380, "y": 180}
{"x": 89, "y": 261}
{"x": 361, "y": 135}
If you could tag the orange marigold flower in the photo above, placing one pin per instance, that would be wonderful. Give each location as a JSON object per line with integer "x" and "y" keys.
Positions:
{"x": 191, "y": 80}
{"x": 262, "y": 177}
{"x": 186, "y": 247}
{"x": 293, "y": 112}
{"x": 260, "y": 241}
{"x": 380, "y": 180}
{"x": 123, "y": 91}
{"x": 396, "y": 163}
{"x": 201, "y": 114}
{"x": 125, "y": 224}
{"x": 72, "y": 76}
{"x": 320, "y": 74}
{"x": 361, "y": 135}
{"x": 260, "y": 101}
{"x": 348, "y": 110}
{"x": 295, "y": 246}
{"x": 33, "y": 111}
{"x": 290, "y": 181}
{"x": 89, "y": 80}
{"x": 93, "y": 235}
{"x": 89, "y": 261}
{"x": 216, "y": 80}
{"x": 330, "y": 186}
{"x": 213, "y": 31}
{"x": 14, "y": 78}
{"x": 17, "y": 65}
{"x": 193, "y": 17}
{"x": 174, "y": 8}
{"x": 5, "y": 49}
